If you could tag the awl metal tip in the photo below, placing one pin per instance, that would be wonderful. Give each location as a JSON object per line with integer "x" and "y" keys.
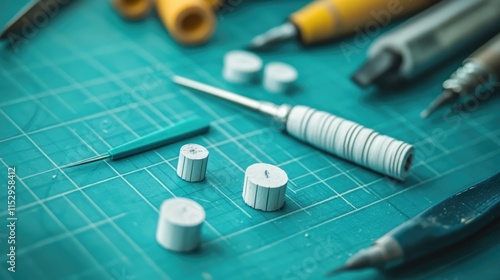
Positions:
{"x": 445, "y": 97}
{"x": 425, "y": 113}
{"x": 256, "y": 44}
{"x": 93, "y": 159}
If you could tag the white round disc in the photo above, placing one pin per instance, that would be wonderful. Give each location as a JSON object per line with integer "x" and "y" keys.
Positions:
{"x": 279, "y": 77}
{"x": 264, "y": 187}
{"x": 241, "y": 66}
{"x": 266, "y": 175}
{"x": 182, "y": 212}
{"x": 194, "y": 151}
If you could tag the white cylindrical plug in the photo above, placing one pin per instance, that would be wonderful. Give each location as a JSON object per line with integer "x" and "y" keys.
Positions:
{"x": 264, "y": 187}
{"x": 179, "y": 224}
{"x": 192, "y": 165}
{"x": 279, "y": 77}
{"x": 241, "y": 67}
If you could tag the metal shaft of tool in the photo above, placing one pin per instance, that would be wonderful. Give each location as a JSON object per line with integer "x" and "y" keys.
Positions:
{"x": 224, "y": 94}
{"x": 268, "y": 108}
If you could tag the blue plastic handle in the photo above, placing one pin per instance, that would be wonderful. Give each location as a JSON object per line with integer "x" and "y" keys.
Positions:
{"x": 185, "y": 129}
{"x": 452, "y": 220}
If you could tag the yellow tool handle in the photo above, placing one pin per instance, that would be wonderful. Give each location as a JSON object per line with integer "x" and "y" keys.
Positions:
{"x": 190, "y": 22}
{"x": 326, "y": 19}
{"x": 133, "y": 9}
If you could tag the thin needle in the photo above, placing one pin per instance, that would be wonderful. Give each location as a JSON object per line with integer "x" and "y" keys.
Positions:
{"x": 224, "y": 94}
{"x": 265, "y": 107}
{"x": 93, "y": 159}
{"x": 190, "y": 127}
{"x": 362, "y": 259}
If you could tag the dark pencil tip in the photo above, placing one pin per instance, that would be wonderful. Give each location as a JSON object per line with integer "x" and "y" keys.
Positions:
{"x": 338, "y": 270}
{"x": 376, "y": 68}
{"x": 335, "y": 271}
{"x": 252, "y": 47}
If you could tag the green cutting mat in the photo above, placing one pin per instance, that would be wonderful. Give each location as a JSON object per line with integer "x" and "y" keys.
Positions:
{"x": 89, "y": 81}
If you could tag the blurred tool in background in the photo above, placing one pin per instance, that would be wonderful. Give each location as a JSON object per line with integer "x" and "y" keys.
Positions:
{"x": 323, "y": 20}
{"x": 22, "y": 27}
{"x": 480, "y": 70}
{"x": 427, "y": 39}
{"x": 133, "y": 9}
{"x": 189, "y": 22}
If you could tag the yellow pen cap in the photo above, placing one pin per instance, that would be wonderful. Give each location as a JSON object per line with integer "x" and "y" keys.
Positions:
{"x": 190, "y": 22}
{"x": 326, "y": 19}
{"x": 133, "y": 9}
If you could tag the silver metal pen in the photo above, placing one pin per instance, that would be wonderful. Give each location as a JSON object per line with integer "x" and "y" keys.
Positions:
{"x": 427, "y": 39}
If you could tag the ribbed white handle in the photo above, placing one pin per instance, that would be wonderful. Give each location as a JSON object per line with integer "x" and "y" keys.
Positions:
{"x": 350, "y": 141}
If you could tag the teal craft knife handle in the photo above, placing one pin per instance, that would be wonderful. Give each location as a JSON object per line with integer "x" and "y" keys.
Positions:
{"x": 179, "y": 131}
{"x": 450, "y": 221}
